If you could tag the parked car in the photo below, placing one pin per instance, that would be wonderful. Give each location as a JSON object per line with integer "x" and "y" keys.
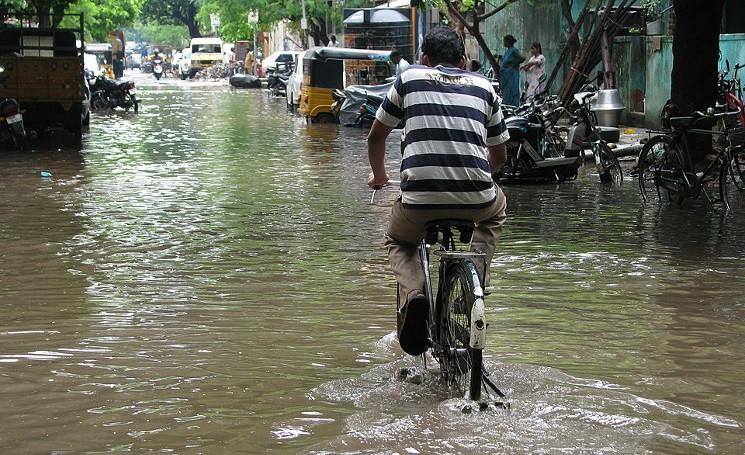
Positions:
{"x": 270, "y": 63}
{"x": 294, "y": 84}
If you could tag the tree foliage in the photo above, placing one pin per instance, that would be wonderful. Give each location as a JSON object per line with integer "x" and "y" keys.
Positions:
{"x": 175, "y": 36}
{"x": 234, "y": 21}
{"x": 101, "y": 16}
{"x": 104, "y": 16}
{"x": 173, "y": 12}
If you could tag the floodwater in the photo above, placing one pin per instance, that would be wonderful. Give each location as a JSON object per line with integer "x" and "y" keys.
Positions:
{"x": 208, "y": 276}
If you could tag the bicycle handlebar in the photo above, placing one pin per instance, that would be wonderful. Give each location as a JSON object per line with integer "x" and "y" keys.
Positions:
{"x": 389, "y": 183}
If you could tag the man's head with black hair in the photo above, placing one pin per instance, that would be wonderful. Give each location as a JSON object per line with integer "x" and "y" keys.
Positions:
{"x": 395, "y": 55}
{"x": 442, "y": 46}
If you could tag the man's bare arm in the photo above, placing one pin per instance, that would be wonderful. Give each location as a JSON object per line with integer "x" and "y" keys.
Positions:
{"x": 497, "y": 156}
{"x": 376, "y": 154}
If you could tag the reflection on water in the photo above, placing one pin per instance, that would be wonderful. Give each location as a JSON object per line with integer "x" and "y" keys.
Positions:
{"x": 208, "y": 276}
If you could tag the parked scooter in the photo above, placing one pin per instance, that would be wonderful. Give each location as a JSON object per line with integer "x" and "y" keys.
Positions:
{"x": 11, "y": 124}
{"x": 276, "y": 81}
{"x": 368, "y": 109}
{"x": 535, "y": 150}
{"x": 360, "y": 104}
{"x": 157, "y": 68}
{"x": 109, "y": 94}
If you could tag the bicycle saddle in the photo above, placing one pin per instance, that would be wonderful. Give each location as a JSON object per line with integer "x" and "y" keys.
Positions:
{"x": 465, "y": 227}
{"x": 682, "y": 121}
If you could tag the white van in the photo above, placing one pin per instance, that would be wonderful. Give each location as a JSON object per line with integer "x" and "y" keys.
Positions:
{"x": 205, "y": 52}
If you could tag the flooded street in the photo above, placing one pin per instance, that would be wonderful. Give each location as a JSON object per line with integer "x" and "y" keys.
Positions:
{"x": 207, "y": 276}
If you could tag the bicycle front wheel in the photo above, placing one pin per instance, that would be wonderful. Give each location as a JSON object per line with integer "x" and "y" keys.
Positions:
{"x": 732, "y": 180}
{"x": 653, "y": 161}
{"x": 460, "y": 364}
{"x": 606, "y": 163}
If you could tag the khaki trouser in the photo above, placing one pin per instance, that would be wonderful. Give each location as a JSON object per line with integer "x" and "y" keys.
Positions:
{"x": 407, "y": 228}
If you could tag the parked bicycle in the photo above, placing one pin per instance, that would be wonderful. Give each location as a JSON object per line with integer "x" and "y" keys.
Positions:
{"x": 457, "y": 320}
{"x": 665, "y": 162}
{"x": 585, "y": 133}
{"x": 730, "y": 91}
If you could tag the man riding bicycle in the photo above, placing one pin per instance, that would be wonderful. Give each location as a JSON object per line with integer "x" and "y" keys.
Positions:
{"x": 454, "y": 139}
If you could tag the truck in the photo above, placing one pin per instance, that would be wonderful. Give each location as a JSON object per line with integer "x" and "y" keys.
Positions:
{"x": 205, "y": 52}
{"x": 43, "y": 71}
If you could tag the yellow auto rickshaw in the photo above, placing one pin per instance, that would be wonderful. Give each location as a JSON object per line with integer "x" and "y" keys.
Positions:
{"x": 102, "y": 51}
{"x": 328, "y": 68}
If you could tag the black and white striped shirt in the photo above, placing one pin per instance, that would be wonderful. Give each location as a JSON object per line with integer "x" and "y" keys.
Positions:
{"x": 451, "y": 116}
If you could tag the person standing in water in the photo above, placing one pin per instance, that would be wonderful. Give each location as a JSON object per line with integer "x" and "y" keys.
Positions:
{"x": 535, "y": 68}
{"x": 509, "y": 73}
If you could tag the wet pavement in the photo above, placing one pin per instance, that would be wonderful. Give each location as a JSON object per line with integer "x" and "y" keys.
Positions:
{"x": 207, "y": 276}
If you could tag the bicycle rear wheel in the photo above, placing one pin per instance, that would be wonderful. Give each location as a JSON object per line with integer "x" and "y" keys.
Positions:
{"x": 460, "y": 364}
{"x": 607, "y": 164}
{"x": 732, "y": 180}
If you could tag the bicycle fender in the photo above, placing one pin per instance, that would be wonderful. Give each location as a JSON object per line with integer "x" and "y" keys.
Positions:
{"x": 478, "y": 325}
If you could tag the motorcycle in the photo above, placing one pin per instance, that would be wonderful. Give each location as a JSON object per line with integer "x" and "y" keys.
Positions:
{"x": 276, "y": 80}
{"x": 109, "y": 94}
{"x": 157, "y": 68}
{"x": 11, "y": 124}
{"x": 357, "y": 104}
{"x": 535, "y": 150}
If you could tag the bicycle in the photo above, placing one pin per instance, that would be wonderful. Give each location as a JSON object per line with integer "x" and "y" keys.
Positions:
{"x": 584, "y": 132}
{"x": 457, "y": 320}
{"x": 665, "y": 162}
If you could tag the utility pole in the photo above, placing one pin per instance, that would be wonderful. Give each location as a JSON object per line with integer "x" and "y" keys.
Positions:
{"x": 304, "y": 27}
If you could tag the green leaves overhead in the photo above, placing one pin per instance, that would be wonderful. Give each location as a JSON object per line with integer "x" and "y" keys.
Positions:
{"x": 104, "y": 16}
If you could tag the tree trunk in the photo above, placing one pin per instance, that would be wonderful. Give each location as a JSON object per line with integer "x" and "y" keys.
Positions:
{"x": 695, "y": 56}
{"x": 609, "y": 74}
{"x": 43, "y": 13}
{"x": 473, "y": 29}
{"x": 193, "y": 28}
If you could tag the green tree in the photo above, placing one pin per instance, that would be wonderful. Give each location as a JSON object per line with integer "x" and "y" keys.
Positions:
{"x": 104, "y": 16}
{"x": 234, "y": 22}
{"x": 49, "y": 12}
{"x": 175, "y": 36}
{"x": 173, "y": 12}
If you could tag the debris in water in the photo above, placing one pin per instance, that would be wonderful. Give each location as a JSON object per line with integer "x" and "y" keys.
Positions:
{"x": 410, "y": 374}
{"x": 45, "y": 174}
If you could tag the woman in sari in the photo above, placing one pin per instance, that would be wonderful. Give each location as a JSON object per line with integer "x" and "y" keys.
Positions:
{"x": 509, "y": 74}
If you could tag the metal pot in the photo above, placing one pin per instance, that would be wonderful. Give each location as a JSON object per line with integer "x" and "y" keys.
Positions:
{"x": 608, "y": 108}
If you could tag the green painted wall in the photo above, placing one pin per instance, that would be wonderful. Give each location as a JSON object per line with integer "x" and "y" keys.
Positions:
{"x": 646, "y": 62}
{"x": 540, "y": 22}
